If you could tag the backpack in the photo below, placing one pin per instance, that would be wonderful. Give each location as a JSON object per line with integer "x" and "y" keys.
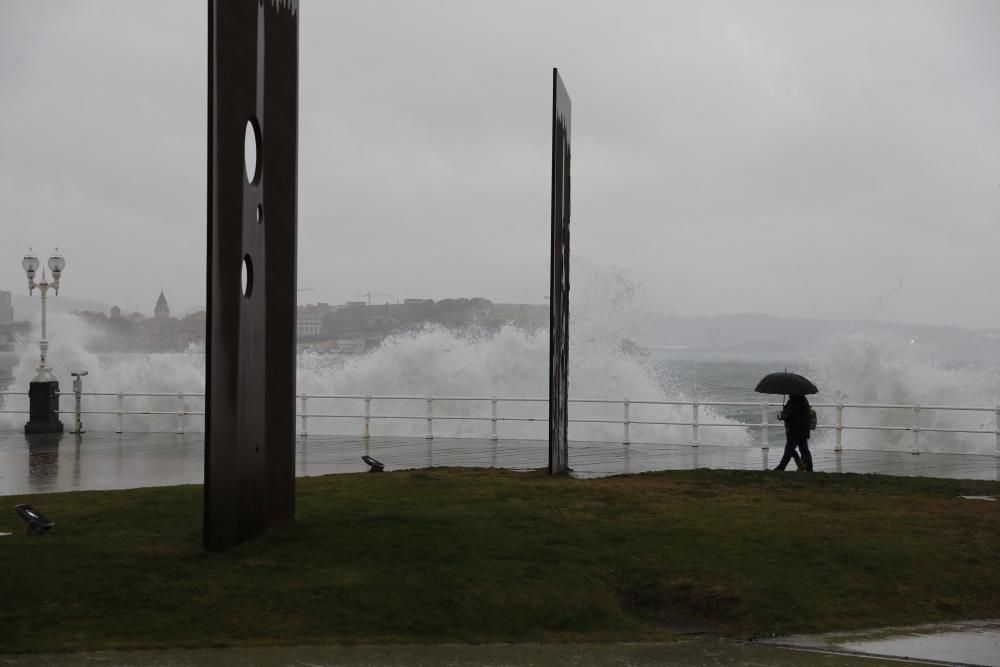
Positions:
{"x": 812, "y": 419}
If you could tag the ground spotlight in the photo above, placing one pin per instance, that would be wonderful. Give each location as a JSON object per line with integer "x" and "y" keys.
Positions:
{"x": 373, "y": 465}
{"x": 38, "y": 523}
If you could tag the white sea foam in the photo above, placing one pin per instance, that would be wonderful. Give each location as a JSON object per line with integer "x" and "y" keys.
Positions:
{"x": 509, "y": 363}
{"x": 513, "y": 363}
{"x": 108, "y": 373}
{"x": 874, "y": 368}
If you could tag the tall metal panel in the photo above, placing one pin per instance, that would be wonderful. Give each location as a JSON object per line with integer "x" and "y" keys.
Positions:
{"x": 559, "y": 280}
{"x": 250, "y": 346}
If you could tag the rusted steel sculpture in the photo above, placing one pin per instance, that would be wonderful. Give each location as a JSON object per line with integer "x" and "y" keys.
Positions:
{"x": 250, "y": 346}
{"x": 559, "y": 280}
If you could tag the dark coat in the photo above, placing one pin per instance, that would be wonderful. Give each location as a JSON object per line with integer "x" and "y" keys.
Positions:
{"x": 795, "y": 414}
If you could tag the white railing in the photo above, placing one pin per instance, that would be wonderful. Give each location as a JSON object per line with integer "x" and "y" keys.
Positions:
{"x": 916, "y": 424}
{"x": 120, "y": 412}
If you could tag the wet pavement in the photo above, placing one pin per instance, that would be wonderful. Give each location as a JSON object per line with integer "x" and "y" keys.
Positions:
{"x": 94, "y": 461}
{"x": 969, "y": 643}
{"x": 680, "y": 654}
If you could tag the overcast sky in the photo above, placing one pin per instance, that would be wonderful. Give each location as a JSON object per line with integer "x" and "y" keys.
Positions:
{"x": 805, "y": 159}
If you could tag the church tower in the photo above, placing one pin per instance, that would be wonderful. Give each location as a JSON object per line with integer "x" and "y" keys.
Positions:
{"x": 162, "y": 310}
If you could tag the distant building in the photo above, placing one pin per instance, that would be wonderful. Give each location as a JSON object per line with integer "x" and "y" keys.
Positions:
{"x": 309, "y": 326}
{"x": 162, "y": 310}
{"x": 6, "y": 309}
{"x": 359, "y": 326}
{"x": 160, "y": 333}
{"x": 192, "y": 328}
{"x": 91, "y": 316}
{"x": 309, "y": 319}
{"x": 355, "y": 345}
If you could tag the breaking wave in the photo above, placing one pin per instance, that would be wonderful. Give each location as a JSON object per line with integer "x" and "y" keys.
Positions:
{"x": 508, "y": 363}
{"x": 880, "y": 369}
{"x": 512, "y": 363}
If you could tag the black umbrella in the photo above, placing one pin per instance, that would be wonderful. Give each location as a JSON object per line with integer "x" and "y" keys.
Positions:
{"x": 785, "y": 383}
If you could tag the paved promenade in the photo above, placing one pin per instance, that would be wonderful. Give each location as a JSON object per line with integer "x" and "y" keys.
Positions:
{"x": 109, "y": 461}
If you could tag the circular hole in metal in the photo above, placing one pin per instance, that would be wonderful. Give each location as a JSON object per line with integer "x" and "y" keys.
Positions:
{"x": 260, "y": 213}
{"x": 251, "y": 151}
{"x": 246, "y": 276}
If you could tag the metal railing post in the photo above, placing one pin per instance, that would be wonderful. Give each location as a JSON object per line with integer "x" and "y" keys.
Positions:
{"x": 916, "y": 429}
{"x": 839, "y": 444}
{"x": 430, "y": 418}
{"x": 626, "y": 421}
{"x": 78, "y": 393}
{"x": 180, "y": 413}
{"x": 305, "y": 416}
{"x": 694, "y": 424}
{"x": 368, "y": 416}
{"x": 493, "y": 422}
{"x": 765, "y": 430}
{"x": 121, "y": 409}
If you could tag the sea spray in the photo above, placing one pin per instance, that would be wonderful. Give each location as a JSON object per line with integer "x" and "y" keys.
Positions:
{"x": 513, "y": 363}
{"x": 126, "y": 372}
{"x": 435, "y": 361}
{"x": 881, "y": 369}
{"x": 509, "y": 363}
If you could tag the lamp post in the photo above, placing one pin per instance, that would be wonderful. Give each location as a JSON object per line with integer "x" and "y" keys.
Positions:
{"x": 43, "y": 393}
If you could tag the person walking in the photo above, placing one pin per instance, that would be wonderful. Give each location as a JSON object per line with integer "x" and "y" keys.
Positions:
{"x": 797, "y": 416}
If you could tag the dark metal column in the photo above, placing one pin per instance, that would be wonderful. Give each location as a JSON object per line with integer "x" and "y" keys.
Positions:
{"x": 43, "y": 408}
{"x": 250, "y": 344}
{"x": 559, "y": 280}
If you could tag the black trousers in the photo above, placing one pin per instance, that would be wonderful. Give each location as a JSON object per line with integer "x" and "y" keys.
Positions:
{"x": 790, "y": 444}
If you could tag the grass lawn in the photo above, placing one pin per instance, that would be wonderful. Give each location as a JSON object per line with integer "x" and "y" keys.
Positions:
{"x": 457, "y": 555}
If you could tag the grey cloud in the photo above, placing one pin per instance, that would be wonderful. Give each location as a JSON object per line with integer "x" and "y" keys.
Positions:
{"x": 797, "y": 158}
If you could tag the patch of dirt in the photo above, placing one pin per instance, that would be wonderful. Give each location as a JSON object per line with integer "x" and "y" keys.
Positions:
{"x": 682, "y": 606}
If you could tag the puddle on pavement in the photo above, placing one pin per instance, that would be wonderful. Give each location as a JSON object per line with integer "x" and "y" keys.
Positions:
{"x": 701, "y": 653}
{"x": 971, "y": 643}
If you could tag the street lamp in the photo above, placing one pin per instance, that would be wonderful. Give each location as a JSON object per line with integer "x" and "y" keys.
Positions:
{"x": 44, "y": 389}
